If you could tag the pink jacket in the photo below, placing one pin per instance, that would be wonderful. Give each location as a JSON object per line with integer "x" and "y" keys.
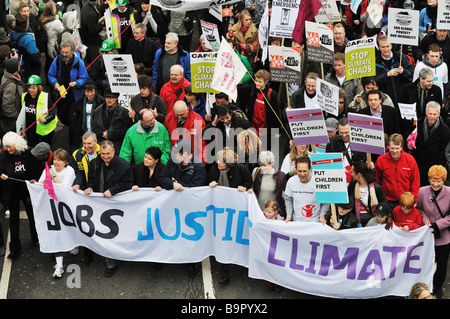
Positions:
{"x": 430, "y": 212}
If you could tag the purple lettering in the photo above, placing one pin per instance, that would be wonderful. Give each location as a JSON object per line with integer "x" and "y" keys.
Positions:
{"x": 394, "y": 252}
{"x": 410, "y": 257}
{"x": 331, "y": 254}
{"x": 293, "y": 263}
{"x": 367, "y": 270}
{"x": 273, "y": 248}
{"x": 312, "y": 260}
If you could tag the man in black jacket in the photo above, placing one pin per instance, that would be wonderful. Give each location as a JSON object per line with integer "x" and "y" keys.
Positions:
{"x": 390, "y": 115}
{"x": 90, "y": 29}
{"x": 141, "y": 47}
{"x": 109, "y": 174}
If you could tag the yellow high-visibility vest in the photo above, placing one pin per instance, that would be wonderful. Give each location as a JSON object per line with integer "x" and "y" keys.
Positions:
{"x": 42, "y": 108}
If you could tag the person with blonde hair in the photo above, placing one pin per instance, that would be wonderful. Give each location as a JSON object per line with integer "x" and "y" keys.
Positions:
{"x": 420, "y": 290}
{"x": 433, "y": 204}
{"x": 246, "y": 33}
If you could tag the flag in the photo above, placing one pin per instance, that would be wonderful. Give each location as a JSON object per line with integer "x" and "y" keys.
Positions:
{"x": 48, "y": 184}
{"x": 263, "y": 33}
{"x": 228, "y": 71}
{"x": 306, "y": 12}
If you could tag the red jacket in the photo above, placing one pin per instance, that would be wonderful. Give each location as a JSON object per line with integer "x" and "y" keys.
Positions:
{"x": 172, "y": 93}
{"x": 192, "y": 131}
{"x": 413, "y": 220}
{"x": 397, "y": 177}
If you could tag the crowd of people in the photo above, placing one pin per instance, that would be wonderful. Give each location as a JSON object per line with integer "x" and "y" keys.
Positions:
{"x": 52, "y": 70}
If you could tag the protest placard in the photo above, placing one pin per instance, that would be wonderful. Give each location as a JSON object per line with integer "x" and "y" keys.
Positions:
{"x": 327, "y": 96}
{"x": 360, "y": 58}
{"x": 443, "y": 15}
{"x": 121, "y": 73}
{"x": 319, "y": 42}
{"x": 403, "y": 26}
{"x": 366, "y": 133}
{"x": 211, "y": 33}
{"x": 283, "y": 18}
{"x": 329, "y": 178}
{"x": 202, "y": 71}
{"x": 284, "y": 64}
{"x": 328, "y": 12}
{"x": 307, "y": 126}
{"x": 190, "y": 5}
{"x": 408, "y": 111}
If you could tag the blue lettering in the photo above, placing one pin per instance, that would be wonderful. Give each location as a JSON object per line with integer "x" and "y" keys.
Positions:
{"x": 178, "y": 225}
{"x": 243, "y": 215}
{"x": 227, "y": 236}
{"x": 149, "y": 235}
{"x": 198, "y": 228}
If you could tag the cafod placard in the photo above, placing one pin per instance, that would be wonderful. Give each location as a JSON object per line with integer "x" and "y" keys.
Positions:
{"x": 360, "y": 58}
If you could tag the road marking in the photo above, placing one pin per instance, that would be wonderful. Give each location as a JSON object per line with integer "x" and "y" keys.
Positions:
{"x": 208, "y": 284}
{"x": 6, "y": 272}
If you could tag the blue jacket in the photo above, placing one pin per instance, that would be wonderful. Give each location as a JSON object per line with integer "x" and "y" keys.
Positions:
{"x": 184, "y": 59}
{"x": 78, "y": 73}
{"x": 27, "y": 47}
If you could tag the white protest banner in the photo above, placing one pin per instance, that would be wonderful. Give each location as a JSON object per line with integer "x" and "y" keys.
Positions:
{"x": 354, "y": 5}
{"x": 211, "y": 33}
{"x": 229, "y": 71}
{"x": 263, "y": 33}
{"x": 202, "y": 70}
{"x": 145, "y": 225}
{"x": 375, "y": 11}
{"x": 307, "y": 126}
{"x": 443, "y": 15}
{"x": 366, "y": 133}
{"x": 319, "y": 42}
{"x": 284, "y": 64}
{"x": 328, "y": 12}
{"x": 360, "y": 58}
{"x": 408, "y": 111}
{"x": 190, "y": 5}
{"x": 328, "y": 96}
{"x": 403, "y": 26}
{"x": 329, "y": 178}
{"x": 121, "y": 73}
{"x": 283, "y": 18}
{"x": 359, "y": 263}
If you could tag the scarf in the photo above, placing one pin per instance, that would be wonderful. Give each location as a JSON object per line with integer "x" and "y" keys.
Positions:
{"x": 432, "y": 14}
{"x": 426, "y": 129}
{"x": 373, "y": 200}
{"x": 223, "y": 177}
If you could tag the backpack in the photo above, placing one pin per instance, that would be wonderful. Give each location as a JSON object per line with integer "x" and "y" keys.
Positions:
{"x": 42, "y": 40}
{"x": 13, "y": 44}
{"x": 2, "y": 89}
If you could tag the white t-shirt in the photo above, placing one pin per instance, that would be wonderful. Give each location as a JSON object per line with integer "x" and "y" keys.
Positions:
{"x": 306, "y": 209}
{"x": 66, "y": 176}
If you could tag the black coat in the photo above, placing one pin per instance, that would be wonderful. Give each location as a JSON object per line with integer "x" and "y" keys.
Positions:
{"x": 432, "y": 151}
{"x": 24, "y": 167}
{"x": 118, "y": 179}
{"x": 337, "y": 145}
{"x": 238, "y": 175}
{"x": 390, "y": 116}
{"x": 192, "y": 175}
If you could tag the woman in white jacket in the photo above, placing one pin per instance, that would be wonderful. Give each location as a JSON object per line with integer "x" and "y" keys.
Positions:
{"x": 49, "y": 21}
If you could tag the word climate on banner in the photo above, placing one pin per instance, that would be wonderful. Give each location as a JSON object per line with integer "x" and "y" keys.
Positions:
{"x": 361, "y": 263}
{"x": 320, "y": 42}
{"x": 360, "y": 58}
{"x": 307, "y": 126}
{"x": 366, "y": 133}
{"x": 284, "y": 64}
{"x": 329, "y": 178}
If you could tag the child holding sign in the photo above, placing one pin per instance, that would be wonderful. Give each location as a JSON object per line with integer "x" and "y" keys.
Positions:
{"x": 406, "y": 215}
{"x": 345, "y": 218}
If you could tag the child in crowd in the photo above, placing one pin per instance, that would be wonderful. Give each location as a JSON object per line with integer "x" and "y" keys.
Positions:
{"x": 273, "y": 211}
{"x": 406, "y": 215}
{"x": 382, "y": 213}
{"x": 345, "y": 219}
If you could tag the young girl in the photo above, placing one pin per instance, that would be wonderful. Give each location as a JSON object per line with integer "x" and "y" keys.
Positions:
{"x": 273, "y": 211}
